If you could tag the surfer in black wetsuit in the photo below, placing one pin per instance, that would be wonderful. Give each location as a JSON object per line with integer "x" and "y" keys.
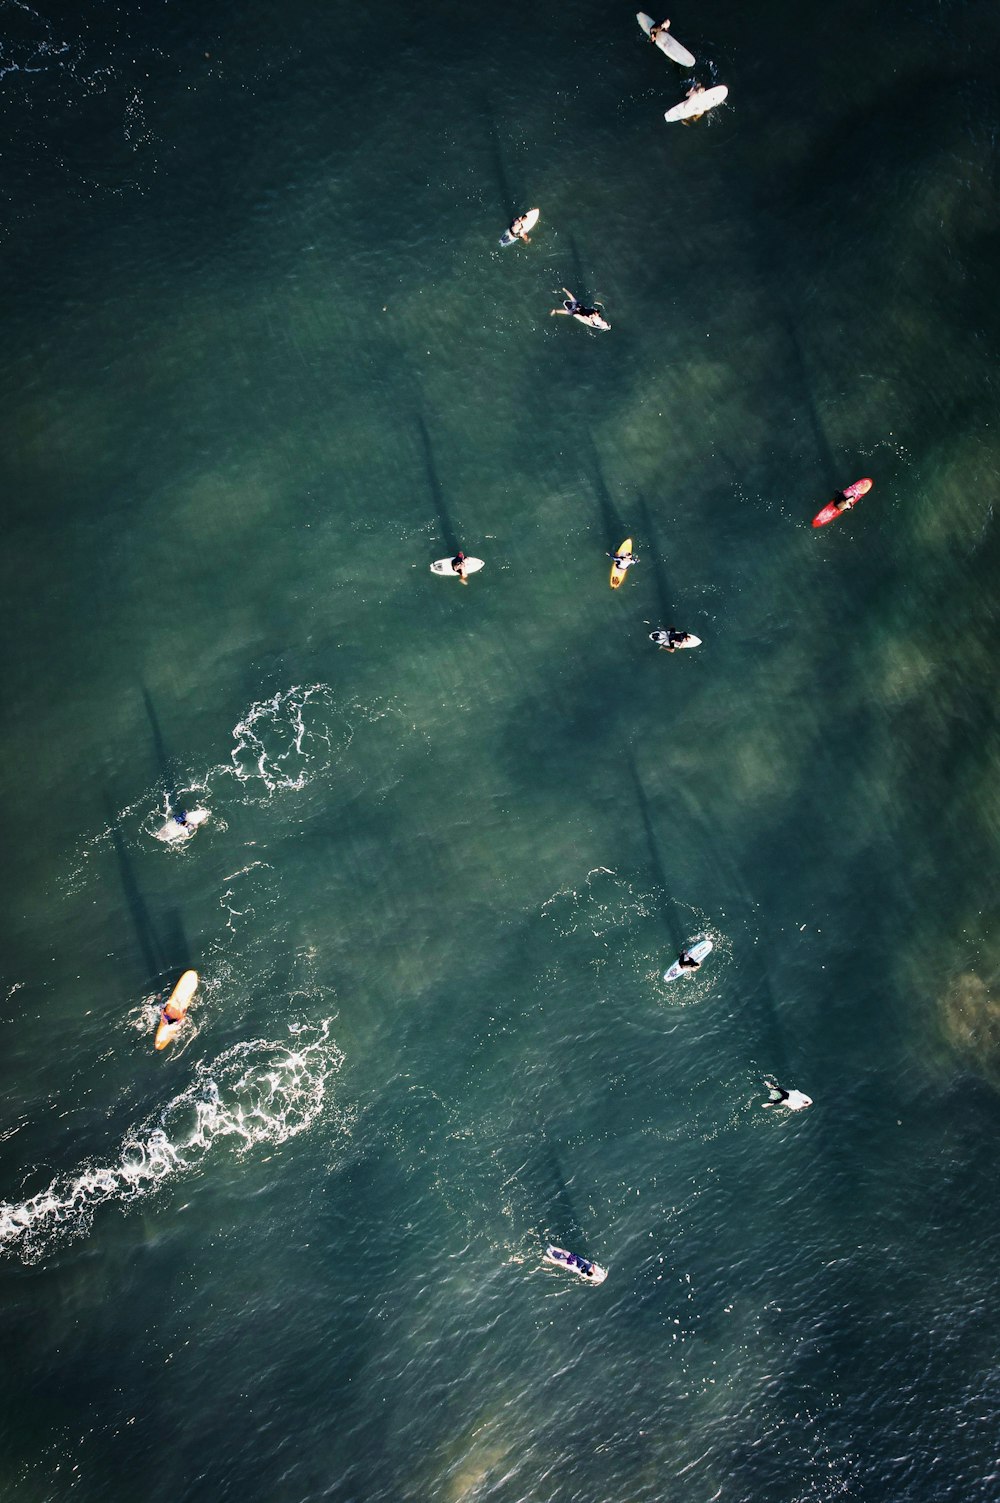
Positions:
{"x": 669, "y": 640}
{"x": 517, "y": 230}
{"x": 687, "y": 962}
{"x": 796, "y": 1101}
{"x": 458, "y": 564}
{"x": 573, "y": 308}
{"x": 843, "y": 502}
{"x": 693, "y": 93}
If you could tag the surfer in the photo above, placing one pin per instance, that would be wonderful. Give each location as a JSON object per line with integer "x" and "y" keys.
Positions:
{"x": 458, "y": 564}
{"x": 573, "y": 308}
{"x": 573, "y": 1261}
{"x": 843, "y": 502}
{"x": 182, "y": 825}
{"x": 795, "y": 1101}
{"x": 622, "y": 561}
{"x": 687, "y": 962}
{"x": 693, "y": 93}
{"x": 518, "y": 229}
{"x": 669, "y": 640}
{"x": 655, "y": 31}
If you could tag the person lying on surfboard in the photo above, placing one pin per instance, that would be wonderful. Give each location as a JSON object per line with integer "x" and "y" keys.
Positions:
{"x": 573, "y": 308}
{"x": 669, "y": 640}
{"x": 796, "y": 1101}
{"x": 622, "y": 561}
{"x": 573, "y": 1260}
{"x": 517, "y": 230}
{"x": 693, "y": 93}
{"x": 687, "y": 962}
{"x": 188, "y": 822}
{"x": 843, "y": 502}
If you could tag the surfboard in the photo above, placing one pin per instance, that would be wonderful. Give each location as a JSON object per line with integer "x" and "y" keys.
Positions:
{"x": 443, "y": 566}
{"x": 172, "y": 832}
{"x": 852, "y": 492}
{"x": 530, "y": 220}
{"x": 699, "y": 104}
{"x": 175, "y": 1009}
{"x": 666, "y": 43}
{"x": 692, "y": 640}
{"x": 699, "y": 951}
{"x": 617, "y": 575}
{"x": 793, "y": 1101}
{"x": 563, "y": 1259}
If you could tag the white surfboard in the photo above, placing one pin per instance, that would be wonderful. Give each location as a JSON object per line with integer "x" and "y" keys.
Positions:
{"x": 692, "y": 640}
{"x": 443, "y": 566}
{"x": 793, "y": 1101}
{"x": 590, "y": 1273}
{"x": 172, "y": 832}
{"x": 699, "y": 104}
{"x": 698, "y": 951}
{"x": 528, "y": 222}
{"x": 666, "y": 43}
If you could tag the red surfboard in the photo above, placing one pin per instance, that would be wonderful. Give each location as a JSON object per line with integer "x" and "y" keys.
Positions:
{"x": 851, "y": 494}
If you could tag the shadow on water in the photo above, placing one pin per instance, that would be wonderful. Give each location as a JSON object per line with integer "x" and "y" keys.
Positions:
{"x": 579, "y": 284}
{"x": 678, "y": 934}
{"x": 448, "y": 531}
{"x": 614, "y": 528}
{"x": 771, "y": 1039}
{"x": 165, "y": 761}
{"x": 158, "y": 954}
{"x": 499, "y": 165}
{"x": 803, "y": 384}
{"x": 652, "y": 556}
{"x": 559, "y": 1219}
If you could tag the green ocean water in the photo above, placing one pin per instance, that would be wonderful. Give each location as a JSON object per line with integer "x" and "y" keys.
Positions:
{"x": 264, "y": 362}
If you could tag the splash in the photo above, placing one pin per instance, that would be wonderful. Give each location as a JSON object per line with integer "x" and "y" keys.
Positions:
{"x": 256, "y": 1093}
{"x": 629, "y": 925}
{"x": 286, "y": 741}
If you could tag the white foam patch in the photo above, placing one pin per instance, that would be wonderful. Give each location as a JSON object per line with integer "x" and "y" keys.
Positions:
{"x": 629, "y": 925}
{"x": 256, "y": 1093}
{"x": 286, "y": 741}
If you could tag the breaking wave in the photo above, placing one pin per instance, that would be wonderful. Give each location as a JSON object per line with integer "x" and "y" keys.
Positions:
{"x": 255, "y": 1093}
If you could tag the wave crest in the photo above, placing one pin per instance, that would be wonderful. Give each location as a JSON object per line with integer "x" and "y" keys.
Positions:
{"x": 257, "y": 1092}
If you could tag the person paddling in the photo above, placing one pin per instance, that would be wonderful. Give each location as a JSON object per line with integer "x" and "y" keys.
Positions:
{"x": 573, "y": 308}
{"x": 669, "y": 640}
{"x": 458, "y": 564}
{"x": 795, "y": 1101}
{"x": 693, "y": 93}
{"x": 518, "y": 229}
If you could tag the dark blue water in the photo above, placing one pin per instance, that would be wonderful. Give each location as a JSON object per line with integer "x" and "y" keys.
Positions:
{"x": 265, "y": 361}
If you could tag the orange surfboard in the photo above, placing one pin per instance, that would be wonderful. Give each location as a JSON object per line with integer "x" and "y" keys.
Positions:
{"x": 175, "y": 1010}
{"x": 617, "y": 575}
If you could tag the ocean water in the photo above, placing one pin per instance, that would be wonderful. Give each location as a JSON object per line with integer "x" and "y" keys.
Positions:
{"x": 264, "y": 361}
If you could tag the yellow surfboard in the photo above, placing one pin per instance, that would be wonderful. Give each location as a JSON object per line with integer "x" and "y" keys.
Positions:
{"x": 175, "y": 1009}
{"x": 617, "y": 575}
